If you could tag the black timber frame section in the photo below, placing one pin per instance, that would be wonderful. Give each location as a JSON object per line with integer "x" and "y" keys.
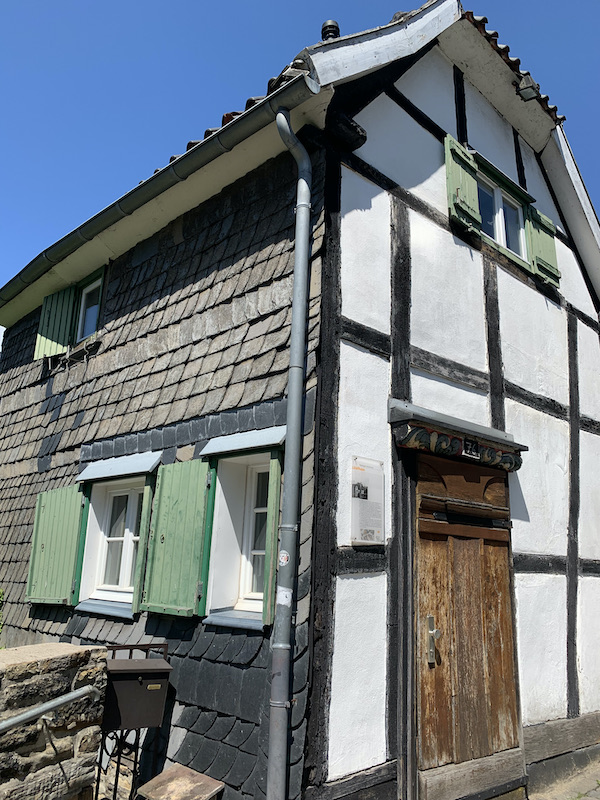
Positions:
{"x": 460, "y": 106}
{"x": 368, "y": 338}
{"x": 321, "y": 627}
{"x": 353, "y": 97}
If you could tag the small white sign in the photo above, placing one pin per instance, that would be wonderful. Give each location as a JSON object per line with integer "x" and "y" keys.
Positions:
{"x": 367, "y": 501}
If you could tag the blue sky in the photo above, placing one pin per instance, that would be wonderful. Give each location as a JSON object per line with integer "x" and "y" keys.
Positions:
{"x": 95, "y": 96}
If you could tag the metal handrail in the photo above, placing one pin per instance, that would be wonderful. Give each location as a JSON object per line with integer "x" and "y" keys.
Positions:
{"x": 51, "y": 705}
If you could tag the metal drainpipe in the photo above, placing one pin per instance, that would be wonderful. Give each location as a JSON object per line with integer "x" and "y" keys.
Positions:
{"x": 292, "y": 473}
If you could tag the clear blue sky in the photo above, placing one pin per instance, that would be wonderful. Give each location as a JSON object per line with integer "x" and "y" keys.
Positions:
{"x": 96, "y": 95}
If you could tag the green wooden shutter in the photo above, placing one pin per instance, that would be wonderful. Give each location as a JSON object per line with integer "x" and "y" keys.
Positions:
{"x": 56, "y": 323}
{"x": 176, "y": 540}
{"x": 542, "y": 246}
{"x": 140, "y": 567}
{"x": 272, "y": 544}
{"x": 55, "y": 546}
{"x": 461, "y": 182}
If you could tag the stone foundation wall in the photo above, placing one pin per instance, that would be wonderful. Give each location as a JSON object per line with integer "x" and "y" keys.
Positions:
{"x": 53, "y": 758}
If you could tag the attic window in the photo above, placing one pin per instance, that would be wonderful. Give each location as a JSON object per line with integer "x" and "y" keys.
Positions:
{"x": 69, "y": 316}
{"x": 486, "y": 202}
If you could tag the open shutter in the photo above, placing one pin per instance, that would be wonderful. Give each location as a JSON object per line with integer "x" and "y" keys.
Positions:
{"x": 56, "y": 323}
{"x": 55, "y": 546}
{"x": 272, "y": 543}
{"x": 542, "y": 246}
{"x": 176, "y": 541}
{"x": 140, "y": 567}
{"x": 461, "y": 181}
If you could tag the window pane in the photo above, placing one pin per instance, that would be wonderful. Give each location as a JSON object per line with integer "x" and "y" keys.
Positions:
{"x": 112, "y": 570}
{"x": 133, "y": 562}
{"x": 260, "y": 530}
{"x": 89, "y": 312}
{"x": 512, "y": 228}
{"x": 258, "y": 574}
{"x": 262, "y": 489}
{"x": 117, "y": 516}
{"x": 486, "y": 209}
{"x": 138, "y": 515}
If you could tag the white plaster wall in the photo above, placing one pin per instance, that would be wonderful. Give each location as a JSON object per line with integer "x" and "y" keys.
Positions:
{"x": 365, "y": 249}
{"x": 447, "y": 309}
{"x": 542, "y": 646}
{"x": 533, "y": 332}
{"x": 357, "y": 711}
{"x": 404, "y": 151}
{"x": 588, "y": 346}
{"x": 572, "y": 284}
{"x": 363, "y": 429}
{"x": 589, "y": 508}
{"x": 588, "y": 613}
{"x": 447, "y": 397}
{"x": 429, "y": 84}
{"x": 489, "y": 133}
{"x": 536, "y": 184}
{"x": 539, "y": 491}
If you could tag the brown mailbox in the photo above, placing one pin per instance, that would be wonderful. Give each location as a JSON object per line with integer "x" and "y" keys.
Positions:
{"x": 136, "y": 693}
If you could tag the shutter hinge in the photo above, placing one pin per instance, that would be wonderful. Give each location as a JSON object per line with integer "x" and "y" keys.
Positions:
{"x": 73, "y": 588}
{"x": 199, "y": 590}
{"x": 208, "y": 478}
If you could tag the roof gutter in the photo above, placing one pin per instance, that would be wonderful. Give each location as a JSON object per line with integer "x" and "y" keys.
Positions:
{"x": 291, "y": 95}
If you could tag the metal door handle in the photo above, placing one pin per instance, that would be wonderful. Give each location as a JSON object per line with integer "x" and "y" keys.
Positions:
{"x": 433, "y": 634}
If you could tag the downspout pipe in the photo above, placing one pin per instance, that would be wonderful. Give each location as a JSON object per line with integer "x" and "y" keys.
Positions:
{"x": 292, "y": 474}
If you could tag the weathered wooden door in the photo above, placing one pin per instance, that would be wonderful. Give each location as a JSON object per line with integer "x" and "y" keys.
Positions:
{"x": 467, "y": 700}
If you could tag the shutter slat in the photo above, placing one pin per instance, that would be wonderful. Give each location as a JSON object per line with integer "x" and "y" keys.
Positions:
{"x": 56, "y": 322}
{"x": 176, "y": 539}
{"x": 55, "y": 546}
{"x": 461, "y": 182}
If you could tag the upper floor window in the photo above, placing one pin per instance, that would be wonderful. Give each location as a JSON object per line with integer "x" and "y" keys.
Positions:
{"x": 487, "y": 202}
{"x": 69, "y": 316}
{"x": 501, "y": 217}
{"x": 89, "y": 308}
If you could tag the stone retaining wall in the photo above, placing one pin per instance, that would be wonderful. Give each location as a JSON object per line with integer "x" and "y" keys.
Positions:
{"x": 52, "y": 758}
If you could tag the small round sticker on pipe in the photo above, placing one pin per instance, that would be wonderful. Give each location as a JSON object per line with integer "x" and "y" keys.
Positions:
{"x": 284, "y": 596}
{"x": 284, "y": 558}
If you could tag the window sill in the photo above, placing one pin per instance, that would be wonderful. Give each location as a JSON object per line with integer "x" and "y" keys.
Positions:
{"x": 80, "y": 352}
{"x": 510, "y": 254}
{"x": 232, "y": 618}
{"x": 106, "y": 608}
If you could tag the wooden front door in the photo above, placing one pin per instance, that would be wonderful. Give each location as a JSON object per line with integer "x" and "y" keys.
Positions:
{"x": 467, "y": 700}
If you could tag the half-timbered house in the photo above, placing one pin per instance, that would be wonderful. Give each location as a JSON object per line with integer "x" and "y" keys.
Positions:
{"x": 447, "y": 574}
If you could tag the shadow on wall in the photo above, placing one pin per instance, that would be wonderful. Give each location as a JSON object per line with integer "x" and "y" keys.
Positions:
{"x": 154, "y": 748}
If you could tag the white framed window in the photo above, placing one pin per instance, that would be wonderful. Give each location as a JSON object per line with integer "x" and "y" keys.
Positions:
{"x": 89, "y": 307}
{"x": 254, "y": 538}
{"x": 501, "y": 217}
{"x": 244, "y": 536}
{"x": 112, "y": 540}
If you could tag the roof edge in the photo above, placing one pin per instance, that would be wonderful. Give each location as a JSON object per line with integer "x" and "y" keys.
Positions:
{"x": 291, "y": 95}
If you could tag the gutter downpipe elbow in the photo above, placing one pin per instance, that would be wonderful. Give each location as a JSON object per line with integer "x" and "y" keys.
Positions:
{"x": 277, "y": 774}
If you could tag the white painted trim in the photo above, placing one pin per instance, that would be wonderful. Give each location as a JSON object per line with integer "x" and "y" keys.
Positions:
{"x": 352, "y": 56}
{"x": 136, "y": 464}
{"x": 250, "y": 440}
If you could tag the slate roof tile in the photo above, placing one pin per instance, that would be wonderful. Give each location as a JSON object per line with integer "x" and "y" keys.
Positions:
{"x": 204, "y": 756}
{"x": 223, "y": 761}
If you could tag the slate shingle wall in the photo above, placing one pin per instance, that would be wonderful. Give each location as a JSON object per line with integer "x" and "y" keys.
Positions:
{"x": 193, "y": 343}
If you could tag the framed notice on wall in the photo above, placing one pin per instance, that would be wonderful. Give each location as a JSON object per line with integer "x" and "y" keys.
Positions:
{"x": 367, "y": 501}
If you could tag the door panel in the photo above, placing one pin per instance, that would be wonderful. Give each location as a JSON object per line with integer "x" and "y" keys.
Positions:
{"x": 467, "y": 706}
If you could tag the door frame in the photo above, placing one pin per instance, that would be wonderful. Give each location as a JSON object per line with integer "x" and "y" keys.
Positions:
{"x": 404, "y": 513}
